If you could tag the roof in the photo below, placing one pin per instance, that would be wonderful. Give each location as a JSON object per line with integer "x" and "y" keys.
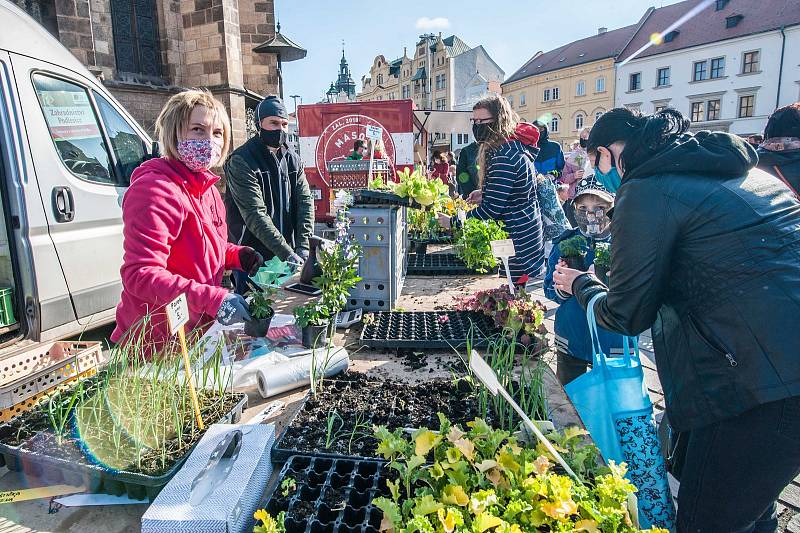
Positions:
{"x": 455, "y": 46}
{"x": 419, "y": 75}
{"x": 280, "y": 44}
{"x": 709, "y": 25}
{"x": 594, "y": 48}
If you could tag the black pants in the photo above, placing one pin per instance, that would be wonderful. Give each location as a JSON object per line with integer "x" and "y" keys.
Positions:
{"x": 732, "y": 472}
{"x": 569, "y": 368}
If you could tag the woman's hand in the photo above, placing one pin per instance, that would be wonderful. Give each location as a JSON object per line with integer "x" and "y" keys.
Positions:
{"x": 250, "y": 260}
{"x": 444, "y": 221}
{"x": 475, "y": 197}
{"x": 563, "y": 277}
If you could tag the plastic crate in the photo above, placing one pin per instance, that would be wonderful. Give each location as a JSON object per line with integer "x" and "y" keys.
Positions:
{"x": 352, "y": 483}
{"x": 27, "y": 373}
{"x": 26, "y": 405}
{"x": 7, "y": 307}
{"x": 381, "y": 232}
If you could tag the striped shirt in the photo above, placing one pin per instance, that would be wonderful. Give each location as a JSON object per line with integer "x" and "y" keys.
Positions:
{"x": 509, "y": 196}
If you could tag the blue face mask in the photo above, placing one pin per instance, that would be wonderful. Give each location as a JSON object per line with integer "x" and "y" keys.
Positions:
{"x": 611, "y": 180}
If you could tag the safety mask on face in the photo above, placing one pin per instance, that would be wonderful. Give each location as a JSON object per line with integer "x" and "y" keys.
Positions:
{"x": 273, "y": 138}
{"x": 592, "y": 223}
{"x": 198, "y": 154}
{"x": 482, "y": 132}
{"x": 611, "y": 180}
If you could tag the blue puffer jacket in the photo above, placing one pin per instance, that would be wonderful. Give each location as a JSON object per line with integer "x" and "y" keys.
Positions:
{"x": 571, "y": 328}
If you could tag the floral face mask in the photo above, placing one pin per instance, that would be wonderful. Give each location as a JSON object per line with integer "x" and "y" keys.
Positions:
{"x": 199, "y": 154}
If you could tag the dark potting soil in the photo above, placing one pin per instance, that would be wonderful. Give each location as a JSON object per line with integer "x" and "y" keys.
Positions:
{"x": 303, "y": 510}
{"x": 33, "y": 432}
{"x": 356, "y": 403}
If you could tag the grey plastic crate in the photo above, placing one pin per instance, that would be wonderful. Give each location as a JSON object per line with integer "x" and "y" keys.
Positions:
{"x": 381, "y": 231}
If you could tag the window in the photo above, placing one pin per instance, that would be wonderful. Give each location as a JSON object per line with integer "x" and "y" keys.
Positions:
{"x": 79, "y": 142}
{"x": 668, "y": 38}
{"x": 555, "y": 93}
{"x": 598, "y": 115}
{"x": 135, "y": 28}
{"x": 697, "y": 111}
{"x": 662, "y": 76}
{"x": 746, "y": 105}
{"x": 380, "y": 79}
{"x": 554, "y": 125}
{"x": 660, "y": 107}
{"x": 717, "y": 67}
{"x": 750, "y": 62}
{"x": 128, "y": 147}
{"x": 406, "y": 92}
{"x": 700, "y": 71}
{"x": 441, "y": 104}
{"x": 547, "y": 95}
{"x": 580, "y": 88}
{"x": 522, "y": 99}
{"x": 444, "y": 81}
{"x": 600, "y": 84}
{"x": 579, "y": 121}
{"x": 712, "y": 111}
{"x": 635, "y": 82}
{"x": 733, "y": 21}
{"x": 721, "y": 4}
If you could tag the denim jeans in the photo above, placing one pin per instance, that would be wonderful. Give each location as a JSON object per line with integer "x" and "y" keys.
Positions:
{"x": 239, "y": 282}
{"x": 733, "y": 471}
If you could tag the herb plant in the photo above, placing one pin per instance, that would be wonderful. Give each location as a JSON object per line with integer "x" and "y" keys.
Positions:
{"x": 288, "y": 486}
{"x": 573, "y": 247}
{"x": 473, "y": 244}
{"x": 519, "y": 312}
{"x": 261, "y": 304}
{"x": 602, "y": 255}
{"x": 415, "y": 185}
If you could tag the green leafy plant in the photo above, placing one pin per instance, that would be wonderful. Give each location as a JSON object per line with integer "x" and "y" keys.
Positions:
{"x": 573, "y": 247}
{"x": 602, "y": 255}
{"x": 415, "y": 185}
{"x": 261, "y": 303}
{"x": 59, "y": 409}
{"x": 267, "y": 524}
{"x": 473, "y": 243}
{"x": 518, "y": 312}
{"x": 378, "y": 184}
{"x": 288, "y": 486}
{"x": 422, "y": 223}
{"x": 482, "y": 479}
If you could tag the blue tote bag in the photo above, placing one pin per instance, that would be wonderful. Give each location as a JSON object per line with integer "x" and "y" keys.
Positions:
{"x": 613, "y": 403}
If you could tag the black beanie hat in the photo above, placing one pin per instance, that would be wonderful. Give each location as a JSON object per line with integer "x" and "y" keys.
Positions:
{"x": 271, "y": 106}
{"x": 784, "y": 122}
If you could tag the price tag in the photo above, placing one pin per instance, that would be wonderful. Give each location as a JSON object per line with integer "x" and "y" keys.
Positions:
{"x": 462, "y": 216}
{"x": 503, "y": 248}
{"x": 177, "y": 313}
{"x": 374, "y": 132}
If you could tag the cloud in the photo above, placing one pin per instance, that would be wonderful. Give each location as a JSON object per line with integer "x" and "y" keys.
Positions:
{"x": 430, "y": 24}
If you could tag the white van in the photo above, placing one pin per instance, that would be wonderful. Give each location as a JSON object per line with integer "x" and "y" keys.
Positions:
{"x": 67, "y": 150}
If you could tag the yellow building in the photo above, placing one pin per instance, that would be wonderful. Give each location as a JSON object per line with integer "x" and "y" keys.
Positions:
{"x": 569, "y": 87}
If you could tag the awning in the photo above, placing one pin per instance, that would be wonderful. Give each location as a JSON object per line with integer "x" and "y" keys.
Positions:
{"x": 445, "y": 121}
{"x": 420, "y": 75}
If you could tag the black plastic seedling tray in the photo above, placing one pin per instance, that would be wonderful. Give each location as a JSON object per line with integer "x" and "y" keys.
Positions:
{"x": 370, "y": 197}
{"x": 96, "y": 478}
{"x": 440, "y": 265}
{"x": 330, "y": 495}
{"x": 428, "y": 329}
{"x": 438, "y": 239}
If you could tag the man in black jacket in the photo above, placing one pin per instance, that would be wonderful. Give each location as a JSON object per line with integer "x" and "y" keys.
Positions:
{"x": 267, "y": 198}
{"x": 467, "y": 170}
{"x": 706, "y": 253}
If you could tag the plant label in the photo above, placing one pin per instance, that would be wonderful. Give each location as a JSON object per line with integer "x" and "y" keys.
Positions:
{"x": 484, "y": 372}
{"x": 503, "y": 248}
{"x": 462, "y": 216}
{"x": 177, "y": 313}
{"x": 374, "y": 133}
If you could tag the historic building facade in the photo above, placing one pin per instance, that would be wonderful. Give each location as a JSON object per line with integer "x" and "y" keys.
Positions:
{"x": 146, "y": 50}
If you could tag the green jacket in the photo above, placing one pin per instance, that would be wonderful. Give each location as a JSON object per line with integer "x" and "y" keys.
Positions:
{"x": 268, "y": 201}
{"x": 467, "y": 170}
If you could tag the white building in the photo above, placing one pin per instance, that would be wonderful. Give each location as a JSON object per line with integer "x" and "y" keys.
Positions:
{"x": 728, "y": 68}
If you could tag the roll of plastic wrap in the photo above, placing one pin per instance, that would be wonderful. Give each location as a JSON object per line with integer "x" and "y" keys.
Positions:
{"x": 296, "y": 372}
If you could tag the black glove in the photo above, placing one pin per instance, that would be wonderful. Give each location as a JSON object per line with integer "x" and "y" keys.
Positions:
{"x": 234, "y": 309}
{"x": 250, "y": 260}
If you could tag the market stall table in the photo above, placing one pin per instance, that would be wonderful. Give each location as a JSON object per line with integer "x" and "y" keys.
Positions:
{"x": 419, "y": 294}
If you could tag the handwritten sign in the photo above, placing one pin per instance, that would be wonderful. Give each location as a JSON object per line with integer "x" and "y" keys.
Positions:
{"x": 503, "y": 248}
{"x": 11, "y": 496}
{"x": 374, "y": 132}
{"x": 177, "y": 313}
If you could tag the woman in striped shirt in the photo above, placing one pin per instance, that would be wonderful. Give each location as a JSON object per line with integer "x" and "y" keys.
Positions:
{"x": 507, "y": 179}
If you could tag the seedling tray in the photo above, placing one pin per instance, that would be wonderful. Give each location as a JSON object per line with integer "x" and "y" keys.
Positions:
{"x": 370, "y": 197}
{"x": 96, "y": 478}
{"x": 330, "y": 495}
{"x": 428, "y": 330}
{"x": 440, "y": 265}
{"x": 438, "y": 239}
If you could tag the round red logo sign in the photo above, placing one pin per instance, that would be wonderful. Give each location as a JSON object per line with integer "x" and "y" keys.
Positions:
{"x": 336, "y": 141}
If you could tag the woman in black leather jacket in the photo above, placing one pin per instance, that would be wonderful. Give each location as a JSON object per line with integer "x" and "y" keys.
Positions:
{"x": 706, "y": 253}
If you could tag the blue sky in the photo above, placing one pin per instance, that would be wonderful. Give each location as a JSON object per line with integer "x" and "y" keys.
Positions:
{"x": 511, "y": 31}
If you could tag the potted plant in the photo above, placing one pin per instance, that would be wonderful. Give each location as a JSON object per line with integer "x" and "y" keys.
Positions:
{"x": 473, "y": 245}
{"x": 261, "y": 312}
{"x": 602, "y": 260}
{"x": 314, "y": 321}
{"x": 573, "y": 252}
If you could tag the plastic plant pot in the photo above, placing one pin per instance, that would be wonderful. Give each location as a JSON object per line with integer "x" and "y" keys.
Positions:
{"x": 315, "y": 336}
{"x": 421, "y": 248}
{"x": 258, "y": 327}
{"x": 576, "y": 262}
{"x": 602, "y": 274}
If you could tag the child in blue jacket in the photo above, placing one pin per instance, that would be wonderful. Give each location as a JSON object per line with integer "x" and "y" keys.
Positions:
{"x": 573, "y": 343}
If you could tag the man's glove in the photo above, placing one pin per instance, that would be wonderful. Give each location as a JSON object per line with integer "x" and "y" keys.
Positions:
{"x": 233, "y": 310}
{"x": 250, "y": 260}
{"x": 295, "y": 261}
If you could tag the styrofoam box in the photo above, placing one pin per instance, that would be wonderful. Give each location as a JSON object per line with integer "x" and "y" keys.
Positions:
{"x": 230, "y": 507}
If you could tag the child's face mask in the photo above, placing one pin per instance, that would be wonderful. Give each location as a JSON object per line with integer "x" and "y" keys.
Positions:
{"x": 591, "y": 216}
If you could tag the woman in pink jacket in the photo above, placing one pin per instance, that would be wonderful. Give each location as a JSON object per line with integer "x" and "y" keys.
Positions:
{"x": 175, "y": 235}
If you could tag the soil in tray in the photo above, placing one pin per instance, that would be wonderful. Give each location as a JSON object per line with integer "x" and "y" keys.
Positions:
{"x": 90, "y": 438}
{"x": 356, "y": 403}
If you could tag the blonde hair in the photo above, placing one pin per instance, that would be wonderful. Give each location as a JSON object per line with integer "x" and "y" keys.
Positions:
{"x": 174, "y": 119}
{"x": 506, "y": 121}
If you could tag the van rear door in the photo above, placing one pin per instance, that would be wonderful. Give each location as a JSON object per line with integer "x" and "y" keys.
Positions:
{"x": 84, "y": 150}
